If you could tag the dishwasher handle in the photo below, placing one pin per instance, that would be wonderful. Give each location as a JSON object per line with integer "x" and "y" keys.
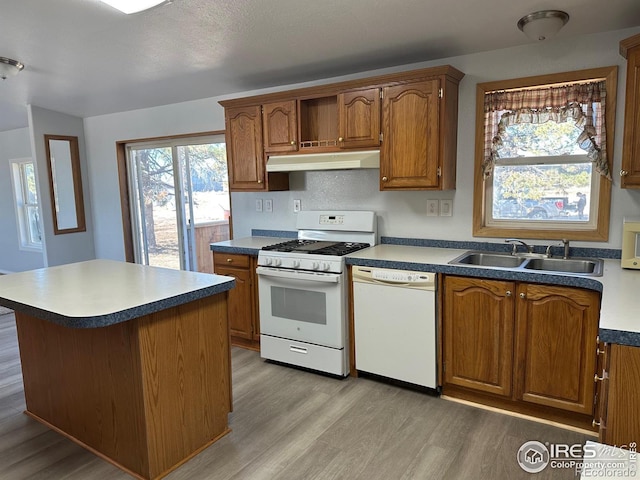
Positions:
{"x": 395, "y": 278}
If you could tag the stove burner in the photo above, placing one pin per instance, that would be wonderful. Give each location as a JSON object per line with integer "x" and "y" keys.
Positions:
{"x": 317, "y": 247}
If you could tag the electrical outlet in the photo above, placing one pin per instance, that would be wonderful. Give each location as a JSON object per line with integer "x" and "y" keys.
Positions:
{"x": 432, "y": 208}
{"x": 268, "y": 205}
{"x": 297, "y": 205}
{"x": 446, "y": 208}
{"x": 259, "y": 205}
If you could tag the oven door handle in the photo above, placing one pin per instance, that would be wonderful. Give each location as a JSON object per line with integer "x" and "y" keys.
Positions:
{"x": 298, "y": 275}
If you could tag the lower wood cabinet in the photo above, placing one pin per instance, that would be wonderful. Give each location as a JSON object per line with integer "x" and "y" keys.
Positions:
{"x": 521, "y": 346}
{"x": 619, "y": 420}
{"x": 244, "y": 319}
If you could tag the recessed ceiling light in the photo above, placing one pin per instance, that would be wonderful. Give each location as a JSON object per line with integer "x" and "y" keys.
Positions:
{"x": 134, "y": 6}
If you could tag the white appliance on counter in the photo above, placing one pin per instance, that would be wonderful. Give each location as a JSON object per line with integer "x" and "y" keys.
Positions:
{"x": 395, "y": 324}
{"x": 302, "y": 290}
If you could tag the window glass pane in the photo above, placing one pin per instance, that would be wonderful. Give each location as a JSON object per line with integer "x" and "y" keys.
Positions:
{"x": 209, "y": 180}
{"x": 554, "y": 192}
{"x": 537, "y": 140}
{"x": 33, "y": 225}
{"x": 29, "y": 179}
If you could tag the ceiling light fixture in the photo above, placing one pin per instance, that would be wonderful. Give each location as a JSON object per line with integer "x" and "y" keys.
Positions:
{"x": 134, "y": 6}
{"x": 543, "y": 25}
{"x": 9, "y": 67}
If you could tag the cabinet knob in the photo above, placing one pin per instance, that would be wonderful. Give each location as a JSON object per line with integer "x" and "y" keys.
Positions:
{"x": 340, "y": 139}
{"x": 508, "y": 293}
{"x": 384, "y": 179}
{"x": 623, "y": 173}
{"x": 293, "y": 142}
{"x": 259, "y": 181}
{"x": 523, "y": 295}
{"x": 229, "y": 260}
{"x": 594, "y": 423}
{"x": 596, "y": 378}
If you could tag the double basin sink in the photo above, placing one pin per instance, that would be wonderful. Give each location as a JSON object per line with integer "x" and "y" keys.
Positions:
{"x": 531, "y": 262}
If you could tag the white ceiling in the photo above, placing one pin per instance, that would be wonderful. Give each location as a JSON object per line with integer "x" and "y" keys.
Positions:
{"x": 84, "y": 58}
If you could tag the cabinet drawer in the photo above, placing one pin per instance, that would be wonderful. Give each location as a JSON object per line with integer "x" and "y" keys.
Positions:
{"x": 230, "y": 260}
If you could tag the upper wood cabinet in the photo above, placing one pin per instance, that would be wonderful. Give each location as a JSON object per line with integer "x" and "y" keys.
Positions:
{"x": 245, "y": 152}
{"x": 414, "y": 125}
{"x": 280, "y": 126}
{"x": 244, "y": 147}
{"x": 410, "y": 133}
{"x": 359, "y": 118}
{"x": 630, "y": 171}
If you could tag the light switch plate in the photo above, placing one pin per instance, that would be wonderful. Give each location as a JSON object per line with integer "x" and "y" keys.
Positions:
{"x": 268, "y": 205}
{"x": 259, "y": 205}
{"x": 446, "y": 208}
{"x": 432, "y": 208}
{"x": 297, "y": 205}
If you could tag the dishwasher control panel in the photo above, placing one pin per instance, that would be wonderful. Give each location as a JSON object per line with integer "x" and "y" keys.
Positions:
{"x": 400, "y": 276}
{"x": 391, "y": 277}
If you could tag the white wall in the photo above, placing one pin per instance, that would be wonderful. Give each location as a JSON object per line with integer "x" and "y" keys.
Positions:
{"x": 14, "y": 144}
{"x": 68, "y": 247}
{"x": 402, "y": 214}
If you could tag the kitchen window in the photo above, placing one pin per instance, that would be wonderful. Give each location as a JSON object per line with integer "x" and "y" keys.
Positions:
{"x": 26, "y": 202}
{"x": 543, "y": 156}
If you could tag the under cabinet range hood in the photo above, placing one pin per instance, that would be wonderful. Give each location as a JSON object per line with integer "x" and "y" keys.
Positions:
{"x": 324, "y": 161}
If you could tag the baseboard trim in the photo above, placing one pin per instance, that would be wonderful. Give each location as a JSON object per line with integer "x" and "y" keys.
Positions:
{"x": 521, "y": 415}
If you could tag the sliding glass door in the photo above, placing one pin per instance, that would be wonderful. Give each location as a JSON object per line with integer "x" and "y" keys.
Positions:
{"x": 179, "y": 193}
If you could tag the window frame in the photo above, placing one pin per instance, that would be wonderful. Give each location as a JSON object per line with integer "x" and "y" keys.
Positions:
{"x": 600, "y": 229}
{"x": 22, "y": 206}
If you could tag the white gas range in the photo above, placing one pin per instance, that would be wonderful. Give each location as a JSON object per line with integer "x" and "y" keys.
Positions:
{"x": 302, "y": 288}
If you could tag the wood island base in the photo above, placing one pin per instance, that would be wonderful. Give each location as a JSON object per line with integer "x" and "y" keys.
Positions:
{"x": 145, "y": 394}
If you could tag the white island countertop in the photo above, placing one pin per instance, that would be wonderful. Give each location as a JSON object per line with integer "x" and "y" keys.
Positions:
{"x": 97, "y": 293}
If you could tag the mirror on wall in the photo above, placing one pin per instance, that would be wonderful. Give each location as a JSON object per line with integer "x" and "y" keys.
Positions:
{"x": 65, "y": 183}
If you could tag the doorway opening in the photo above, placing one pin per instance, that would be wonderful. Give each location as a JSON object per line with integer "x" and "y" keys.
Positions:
{"x": 178, "y": 200}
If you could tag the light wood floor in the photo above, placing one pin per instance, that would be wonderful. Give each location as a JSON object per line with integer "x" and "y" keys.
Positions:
{"x": 289, "y": 424}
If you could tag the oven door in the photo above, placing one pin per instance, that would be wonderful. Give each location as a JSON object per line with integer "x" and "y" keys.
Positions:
{"x": 304, "y": 306}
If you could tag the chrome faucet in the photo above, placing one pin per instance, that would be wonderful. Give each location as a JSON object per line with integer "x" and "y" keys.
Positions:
{"x": 565, "y": 253}
{"x": 565, "y": 242}
{"x": 515, "y": 243}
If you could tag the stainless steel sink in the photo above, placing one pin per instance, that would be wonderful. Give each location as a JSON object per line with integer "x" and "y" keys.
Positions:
{"x": 531, "y": 262}
{"x": 503, "y": 260}
{"x": 591, "y": 266}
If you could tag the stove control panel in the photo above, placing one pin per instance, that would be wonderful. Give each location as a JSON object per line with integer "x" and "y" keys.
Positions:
{"x": 331, "y": 219}
{"x": 318, "y": 263}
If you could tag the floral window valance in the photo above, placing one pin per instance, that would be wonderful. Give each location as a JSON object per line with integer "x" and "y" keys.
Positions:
{"x": 584, "y": 103}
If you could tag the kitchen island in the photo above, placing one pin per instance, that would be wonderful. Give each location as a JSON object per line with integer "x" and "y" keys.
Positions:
{"x": 131, "y": 362}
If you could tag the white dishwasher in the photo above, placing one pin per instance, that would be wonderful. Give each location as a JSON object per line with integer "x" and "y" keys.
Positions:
{"x": 395, "y": 324}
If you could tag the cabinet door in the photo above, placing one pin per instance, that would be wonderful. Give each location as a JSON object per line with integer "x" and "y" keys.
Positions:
{"x": 630, "y": 174}
{"x": 623, "y": 414}
{"x": 240, "y": 301}
{"x": 478, "y": 334}
{"x": 409, "y": 154}
{"x": 244, "y": 148}
{"x": 359, "y": 118}
{"x": 557, "y": 328}
{"x": 280, "y": 127}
